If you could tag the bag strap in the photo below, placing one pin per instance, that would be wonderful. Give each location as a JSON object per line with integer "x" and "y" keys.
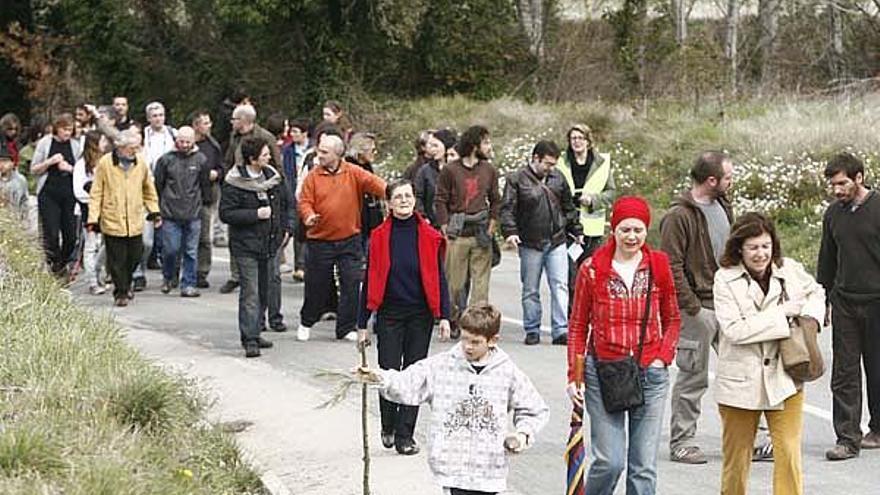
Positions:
{"x": 647, "y": 311}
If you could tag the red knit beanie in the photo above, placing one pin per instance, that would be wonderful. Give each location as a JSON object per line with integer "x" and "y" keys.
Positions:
{"x": 630, "y": 207}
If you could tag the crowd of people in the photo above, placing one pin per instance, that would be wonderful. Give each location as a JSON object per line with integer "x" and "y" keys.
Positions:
{"x": 116, "y": 198}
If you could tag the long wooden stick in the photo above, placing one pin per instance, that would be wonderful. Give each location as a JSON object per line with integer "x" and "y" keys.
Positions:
{"x": 364, "y": 414}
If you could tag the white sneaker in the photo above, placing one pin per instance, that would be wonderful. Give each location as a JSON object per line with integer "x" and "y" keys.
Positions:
{"x": 351, "y": 336}
{"x": 285, "y": 268}
{"x": 303, "y": 332}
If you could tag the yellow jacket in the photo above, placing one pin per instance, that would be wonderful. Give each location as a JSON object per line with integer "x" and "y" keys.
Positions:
{"x": 120, "y": 199}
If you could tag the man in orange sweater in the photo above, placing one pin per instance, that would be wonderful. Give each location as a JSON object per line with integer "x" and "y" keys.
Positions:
{"x": 330, "y": 206}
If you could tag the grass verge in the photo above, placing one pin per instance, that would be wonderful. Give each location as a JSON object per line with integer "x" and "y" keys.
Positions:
{"x": 81, "y": 412}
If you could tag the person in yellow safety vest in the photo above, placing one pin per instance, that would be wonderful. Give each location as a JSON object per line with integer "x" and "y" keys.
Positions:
{"x": 589, "y": 175}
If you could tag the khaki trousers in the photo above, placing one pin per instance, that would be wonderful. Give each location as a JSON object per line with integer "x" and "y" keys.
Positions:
{"x": 463, "y": 255}
{"x": 739, "y": 428}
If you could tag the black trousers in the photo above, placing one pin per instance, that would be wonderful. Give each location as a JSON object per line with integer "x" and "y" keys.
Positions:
{"x": 855, "y": 338}
{"x": 56, "y": 216}
{"x": 322, "y": 257}
{"x": 404, "y": 335}
{"x": 123, "y": 256}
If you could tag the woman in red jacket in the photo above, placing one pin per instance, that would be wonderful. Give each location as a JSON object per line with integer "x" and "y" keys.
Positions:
{"x": 406, "y": 287}
{"x": 610, "y": 297}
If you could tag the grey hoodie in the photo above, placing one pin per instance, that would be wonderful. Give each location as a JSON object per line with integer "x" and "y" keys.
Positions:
{"x": 470, "y": 414}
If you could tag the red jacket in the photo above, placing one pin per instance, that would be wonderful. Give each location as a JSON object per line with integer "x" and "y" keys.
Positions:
{"x": 604, "y": 304}
{"x": 432, "y": 248}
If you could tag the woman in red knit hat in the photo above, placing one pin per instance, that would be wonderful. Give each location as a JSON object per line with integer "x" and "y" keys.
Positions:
{"x": 611, "y": 305}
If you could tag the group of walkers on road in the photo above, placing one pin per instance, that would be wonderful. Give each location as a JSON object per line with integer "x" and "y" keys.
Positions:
{"x": 117, "y": 199}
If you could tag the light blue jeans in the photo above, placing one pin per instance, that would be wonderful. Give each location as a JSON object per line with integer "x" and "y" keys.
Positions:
{"x": 533, "y": 262}
{"x": 180, "y": 237}
{"x": 610, "y": 451}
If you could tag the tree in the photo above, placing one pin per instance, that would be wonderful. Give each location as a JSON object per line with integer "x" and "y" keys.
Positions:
{"x": 532, "y": 21}
{"x": 731, "y": 34}
{"x": 768, "y": 16}
{"x": 679, "y": 20}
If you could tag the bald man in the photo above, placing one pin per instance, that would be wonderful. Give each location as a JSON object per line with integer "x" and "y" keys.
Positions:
{"x": 182, "y": 180}
{"x": 330, "y": 206}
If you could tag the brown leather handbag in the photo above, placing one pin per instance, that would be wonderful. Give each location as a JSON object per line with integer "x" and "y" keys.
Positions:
{"x": 800, "y": 353}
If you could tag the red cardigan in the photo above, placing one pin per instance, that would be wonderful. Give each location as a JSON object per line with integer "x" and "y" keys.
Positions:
{"x": 432, "y": 247}
{"x": 602, "y": 303}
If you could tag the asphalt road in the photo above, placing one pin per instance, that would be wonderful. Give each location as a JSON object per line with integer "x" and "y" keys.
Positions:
{"x": 211, "y": 322}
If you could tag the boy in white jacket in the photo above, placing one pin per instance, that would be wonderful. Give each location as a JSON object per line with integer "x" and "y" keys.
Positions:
{"x": 474, "y": 390}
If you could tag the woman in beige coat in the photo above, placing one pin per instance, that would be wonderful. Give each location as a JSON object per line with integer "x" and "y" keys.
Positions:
{"x": 756, "y": 292}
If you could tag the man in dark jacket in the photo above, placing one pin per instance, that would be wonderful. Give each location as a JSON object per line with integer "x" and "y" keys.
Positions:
{"x": 182, "y": 180}
{"x": 425, "y": 182}
{"x": 693, "y": 233}
{"x": 201, "y": 122}
{"x": 255, "y": 202}
{"x": 537, "y": 215}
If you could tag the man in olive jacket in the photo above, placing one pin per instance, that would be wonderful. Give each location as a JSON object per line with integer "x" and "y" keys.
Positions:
{"x": 537, "y": 215}
{"x": 693, "y": 233}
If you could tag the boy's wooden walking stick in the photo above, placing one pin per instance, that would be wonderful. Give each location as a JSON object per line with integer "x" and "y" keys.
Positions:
{"x": 575, "y": 455}
{"x": 364, "y": 417}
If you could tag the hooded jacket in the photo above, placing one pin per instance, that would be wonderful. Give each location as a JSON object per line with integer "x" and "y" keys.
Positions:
{"x": 241, "y": 196}
{"x": 470, "y": 414}
{"x": 684, "y": 236}
{"x": 182, "y": 181}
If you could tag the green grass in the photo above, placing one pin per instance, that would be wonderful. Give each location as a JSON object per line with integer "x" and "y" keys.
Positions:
{"x": 82, "y": 413}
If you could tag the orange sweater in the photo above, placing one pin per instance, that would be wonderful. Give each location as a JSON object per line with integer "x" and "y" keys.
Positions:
{"x": 337, "y": 198}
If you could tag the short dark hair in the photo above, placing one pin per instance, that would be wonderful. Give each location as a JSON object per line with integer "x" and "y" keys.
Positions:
{"x": 198, "y": 114}
{"x": 300, "y": 123}
{"x": 847, "y": 163}
{"x": 251, "y": 147}
{"x": 747, "y": 226}
{"x": 481, "y": 319}
{"x": 275, "y": 124}
{"x": 238, "y": 95}
{"x": 545, "y": 148}
{"x": 393, "y": 186}
{"x": 326, "y": 128}
{"x": 709, "y": 164}
{"x": 471, "y": 139}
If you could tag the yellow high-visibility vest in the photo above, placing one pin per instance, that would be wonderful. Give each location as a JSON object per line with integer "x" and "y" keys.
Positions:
{"x": 593, "y": 222}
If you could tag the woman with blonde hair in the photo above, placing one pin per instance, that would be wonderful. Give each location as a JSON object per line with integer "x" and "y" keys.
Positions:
{"x": 756, "y": 293}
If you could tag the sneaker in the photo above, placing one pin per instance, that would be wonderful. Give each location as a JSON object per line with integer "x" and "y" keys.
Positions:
{"x": 139, "y": 284}
{"x": 561, "y": 340}
{"x": 387, "y": 439}
{"x": 299, "y": 276}
{"x": 202, "y": 282}
{"x": 840, "y": 452}
{"x": 351, "y": 336}
{"x": 329, "y": 316}
{"x": 263, "y": 343}
{"x": 871, "y": 440}
{"x": 688, "y": 455}
{"x": 407, "y": 447}
{"x": 281, "y": 327}
{"x": 121, "y": 302}
{"x": 303, "y": 332}
{"x": 189, "y": 292}
{"x": 229, "y": 287}
{"x": 97, "y": 290}
{"x": 166, "y": 287}
{"x": 533, "y": 338}
{"x": 763, "y": 453}
{"x": 285, "y": 268}
{"x": 251, "y": 350}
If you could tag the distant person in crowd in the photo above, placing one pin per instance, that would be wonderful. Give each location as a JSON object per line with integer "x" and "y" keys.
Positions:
{"x": 537, "y": 217}
{"x": 293, "y": 155}
{"x": 52, "y": 164}
{"x": 10, "y": 136}
{"x": 122, "y": 121}
{"x": 625, "y": 290}
{"x": 466, "y": 206}
{"x": 13, "y": 189}
{"x": 334, "y": 114}
{"x": 244, "y": 124}
{"x": 84, "y": 122}
{"x": 693, "y": 233}
{"x": 849, "y": 270}
{"x": 95, "y": 146}
{"x": 329, "y": 206}
{"x": 256, "y": 205}
{"x": 122, "y": 195}
{"x": 38, "y": 127}
{"x": 425, "y": 180}
{"x": 477, "y": 395}
{"x": 182, "y": 179}
{"x": 362, "y": 152}
{"x": 208, "y": 146}
{"x": 405, "y": 287}
{"x": 422, "y": 155}
{"x": 756, "y": 292}
{"x": 224, "y": 127}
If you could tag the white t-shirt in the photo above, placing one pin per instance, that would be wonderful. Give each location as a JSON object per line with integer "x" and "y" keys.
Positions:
{"x": 627, "y": 269}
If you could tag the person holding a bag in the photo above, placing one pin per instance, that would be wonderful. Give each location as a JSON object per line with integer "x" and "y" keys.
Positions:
{"x": 757, "y": 293}
{"x": 625, "y": 319}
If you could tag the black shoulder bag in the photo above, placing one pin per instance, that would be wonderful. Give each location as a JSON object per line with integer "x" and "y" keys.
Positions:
{"x": 619, "y": 381}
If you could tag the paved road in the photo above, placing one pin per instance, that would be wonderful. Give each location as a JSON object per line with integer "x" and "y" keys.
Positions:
{"x": 210, "y": 322}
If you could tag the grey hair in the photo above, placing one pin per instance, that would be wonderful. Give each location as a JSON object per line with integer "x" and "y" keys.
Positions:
{"x": 337, "y": 145}
{"x": 359, "y": 144}
{"x": 128, "y": 137}
{"x": 154, "y": 106}
{"x": 247, "y": 112}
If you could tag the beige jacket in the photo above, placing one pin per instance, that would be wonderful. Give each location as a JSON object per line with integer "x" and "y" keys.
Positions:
{"x": 750, "y": 373}
{"x": 119, "y": 198}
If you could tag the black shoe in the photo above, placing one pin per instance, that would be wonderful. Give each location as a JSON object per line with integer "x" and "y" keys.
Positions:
{"x": 263, "y": 343}
{"x": 454, "y": 331}
{"x": 251, "y": 350}
{"x": 154, "y": 264}
{"x": 175, "y": 283}
{"x": 281, "y": 327}
{"x": 561, "y": 340}
{"x": 533, "y": 338}
{"x": 387, "y": 439}
{"x": 228, "y": 287}
{"x": 202, "y": 282}
{"x": 841, "y": 452}
{"x": 166, "y": 287}
{"x": 407, "y": 447}
{"x": 139, "y": 284}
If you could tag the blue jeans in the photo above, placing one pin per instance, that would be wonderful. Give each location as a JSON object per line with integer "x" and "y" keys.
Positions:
{"x": 532, "y": 262}
{"x": 609, "y": 448}
{"x": 180, "y": 235}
